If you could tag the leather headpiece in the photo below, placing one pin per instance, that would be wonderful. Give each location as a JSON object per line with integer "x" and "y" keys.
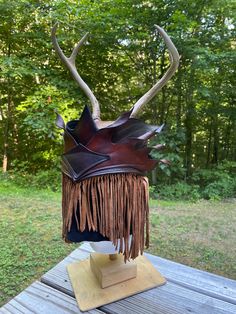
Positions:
{"x": 120, "y": 147}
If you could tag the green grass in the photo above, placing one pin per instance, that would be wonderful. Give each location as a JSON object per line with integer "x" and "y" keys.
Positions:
{"x": 30, "y": 237}
{"x": 202, "y": 235}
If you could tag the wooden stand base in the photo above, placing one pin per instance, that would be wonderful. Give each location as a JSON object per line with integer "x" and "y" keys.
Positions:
{"x": 111, "y": 269}
{"x": 89, "y": 293}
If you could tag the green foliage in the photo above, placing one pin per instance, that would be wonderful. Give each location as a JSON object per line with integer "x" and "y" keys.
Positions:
{"x": 177, "y": 191}
{"x": 218, "y": 182}
{"x": 38, "y": 112}
{"x": 44, "y": 179}
{"x": 123, "y": 58}
{"x": 173, "y": 140}
{"x": 47, "y": 179}
{"x": 223, "y": 171}
{"x": 215, "y": 184}
{"x": 220, "y": 189}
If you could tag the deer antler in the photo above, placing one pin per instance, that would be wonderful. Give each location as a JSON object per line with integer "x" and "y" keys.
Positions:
{"x": 174, "y": 60}
{"x": 70, "y": 63}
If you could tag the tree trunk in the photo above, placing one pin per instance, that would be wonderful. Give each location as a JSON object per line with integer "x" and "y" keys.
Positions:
{"x": 209, "y": 146}
{"x": 5, "y": 143}
{"x": 4, "y": 162}
{"x": 215, "y": 158}
{"x": 226, "y": 141}
{"x": 189, "y": 122}
{"x": 8, "y": 117}
{"x": 189, "y": 140}
{"x": 6, "y": 135}
{"x": 154, "y": 177}
{"x": 179, "y": 98}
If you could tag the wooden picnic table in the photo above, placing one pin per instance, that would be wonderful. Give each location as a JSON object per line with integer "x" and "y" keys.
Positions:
{"x": 188, "y": 290}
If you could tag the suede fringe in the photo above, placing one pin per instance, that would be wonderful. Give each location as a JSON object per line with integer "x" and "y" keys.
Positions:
{"x": 115, "y": 205}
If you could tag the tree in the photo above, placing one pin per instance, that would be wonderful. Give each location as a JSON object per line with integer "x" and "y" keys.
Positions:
{"x": 123, "y": 58}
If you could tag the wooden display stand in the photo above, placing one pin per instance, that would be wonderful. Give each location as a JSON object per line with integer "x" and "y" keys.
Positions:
{"x": 111, "y": 269}
{"x": 104, "y": 278}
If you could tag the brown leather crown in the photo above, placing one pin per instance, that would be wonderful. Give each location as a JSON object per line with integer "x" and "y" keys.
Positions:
{"x": 118, "y": 148}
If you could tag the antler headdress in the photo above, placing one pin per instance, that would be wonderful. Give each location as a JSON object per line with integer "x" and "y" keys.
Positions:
{"x": 105, "y": 193}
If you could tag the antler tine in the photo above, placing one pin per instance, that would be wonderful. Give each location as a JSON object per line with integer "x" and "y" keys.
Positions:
{"x": 70, "y": 64}
{"x": 174, "y": 59}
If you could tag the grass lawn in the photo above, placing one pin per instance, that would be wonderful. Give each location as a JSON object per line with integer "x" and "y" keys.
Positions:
{"x": 202, "y": 235}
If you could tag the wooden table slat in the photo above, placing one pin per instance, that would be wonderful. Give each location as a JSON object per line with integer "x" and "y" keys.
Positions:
{"x": 165, "y": 300}
{"x": 188, "y": 291}
{"x": 197, "y": 280}
{"x": 170, "y": 298}
{"x": 58, "y": 278}
{"x": 41, "y": 299}
{"x": 191, "y": 278}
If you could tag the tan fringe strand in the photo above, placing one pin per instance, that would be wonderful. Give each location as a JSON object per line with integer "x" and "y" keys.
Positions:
{"x": 115, "y": 205}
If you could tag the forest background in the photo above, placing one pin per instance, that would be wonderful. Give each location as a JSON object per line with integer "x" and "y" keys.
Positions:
{"x": 123, "y": 58}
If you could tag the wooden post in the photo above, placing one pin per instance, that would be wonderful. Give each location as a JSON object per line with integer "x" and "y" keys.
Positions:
{"x": 111, "y": 269}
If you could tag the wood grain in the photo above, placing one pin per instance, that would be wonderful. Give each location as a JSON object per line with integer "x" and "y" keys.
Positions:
{"x": 58, "y": 278}
{"x": 89, "y": 293}
{"x": 188, "y": 291}
{"x": 111, "y": 271}
{"x": 170, "y": 298}
{"x": 197, "y": 280}
{"x": 207, "y": 283}
{"x": 41, "y": 299}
